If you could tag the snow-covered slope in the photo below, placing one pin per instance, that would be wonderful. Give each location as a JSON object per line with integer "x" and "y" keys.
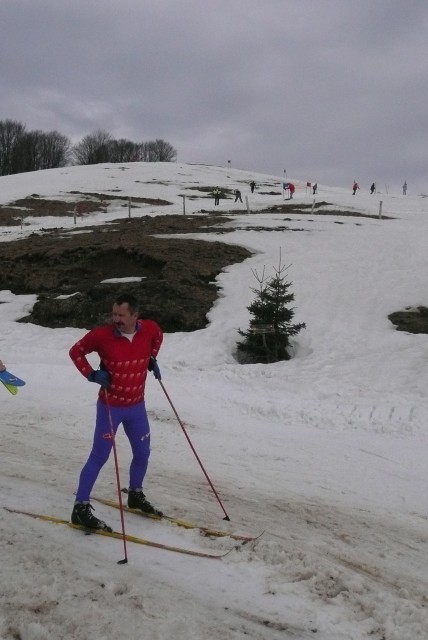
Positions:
{"x": 325, "y": 453}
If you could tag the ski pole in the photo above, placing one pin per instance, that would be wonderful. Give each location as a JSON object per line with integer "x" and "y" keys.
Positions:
{"x": 194, "y": 451}
{"x": 112, "y": 436}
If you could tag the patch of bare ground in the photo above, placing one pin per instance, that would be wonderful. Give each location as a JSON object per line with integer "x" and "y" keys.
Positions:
{"x": 174, "y": 278}
{"x": 412, "y": 319}
{"x": 15, "y": 213}
{"x": 321, "y": 208}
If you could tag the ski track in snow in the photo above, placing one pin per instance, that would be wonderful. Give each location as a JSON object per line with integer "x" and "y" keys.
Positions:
{"x": 295, "y": 557}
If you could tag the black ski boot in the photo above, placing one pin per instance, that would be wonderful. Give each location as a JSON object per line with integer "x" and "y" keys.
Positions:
{"x": 137, "y": 500}
{"x": 82, "y": 515}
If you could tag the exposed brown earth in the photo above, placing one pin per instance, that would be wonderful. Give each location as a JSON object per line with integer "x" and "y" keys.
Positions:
{"x": 414, "y": 320}
{"x": 65, "y": 269}
{"x": 177, "y": 285}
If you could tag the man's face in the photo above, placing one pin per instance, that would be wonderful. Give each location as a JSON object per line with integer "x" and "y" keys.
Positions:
{"x": 123, "y": 318}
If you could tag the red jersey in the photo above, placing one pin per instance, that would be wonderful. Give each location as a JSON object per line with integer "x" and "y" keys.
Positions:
{"x": 125, "y": 360}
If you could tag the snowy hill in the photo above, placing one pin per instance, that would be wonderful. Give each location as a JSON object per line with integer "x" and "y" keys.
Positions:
{"x": 325, "y": 453}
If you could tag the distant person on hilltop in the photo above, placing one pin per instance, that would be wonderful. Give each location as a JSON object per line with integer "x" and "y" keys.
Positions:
{"x": 373, "y": 188}
{"x": 314, "y": 189}
{"x": 238, "y": 196}
{"x": 291, "y": 190}
{"x": 216, "y": 194}
{"x": 252, "y": 186}
{"x": 355, "y": 186}
{"x": 405, "y": 188}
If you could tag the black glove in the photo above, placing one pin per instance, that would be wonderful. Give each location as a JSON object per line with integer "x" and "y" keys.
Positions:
{"x": 101, "y": 377}
{"x": 153, "y": 366}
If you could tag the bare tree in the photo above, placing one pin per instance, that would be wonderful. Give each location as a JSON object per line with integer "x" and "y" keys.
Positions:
{"x": 93, "y": 148}
{"x": 26, "y": 156}
{"x": 123, "y": 150}
{"x": 158, "y": 151}
{"x": 39, "y": 150}
{"x": 145, "y": 152}
{"x": 22, "y": 150}
{"x": 56, "y": 150}
{"x": 100, "y": 146}
{"x": 11, "y": 133}
{"x": 165, "y": 151}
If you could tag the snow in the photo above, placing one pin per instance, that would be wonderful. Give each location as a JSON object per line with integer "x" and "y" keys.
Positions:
{"x": 325, "y": 453}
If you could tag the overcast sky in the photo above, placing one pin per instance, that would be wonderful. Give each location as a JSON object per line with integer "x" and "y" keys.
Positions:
{"x": 329, "y": 90}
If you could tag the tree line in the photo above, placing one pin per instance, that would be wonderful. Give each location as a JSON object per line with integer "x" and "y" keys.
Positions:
{"x": 22, "y": 150}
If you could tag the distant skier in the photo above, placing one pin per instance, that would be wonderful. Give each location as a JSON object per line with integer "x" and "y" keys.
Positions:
{"x": 405, "y": 188}
{"x": 354, "y": 188}
{"x": 216, "y": 194}
{"x": 252, "y": 186}
{"x": 314, "y": 189}
{"x": 291, "y": 190}
{"x": 373, "y": 188}
{"x": 238, "y": 196}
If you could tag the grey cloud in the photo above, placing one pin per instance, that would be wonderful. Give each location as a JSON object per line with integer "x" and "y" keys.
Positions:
{"x": 325, "y": 89}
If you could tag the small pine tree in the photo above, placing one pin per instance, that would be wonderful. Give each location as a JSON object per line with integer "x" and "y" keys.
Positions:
{"x": 270, "y": 329}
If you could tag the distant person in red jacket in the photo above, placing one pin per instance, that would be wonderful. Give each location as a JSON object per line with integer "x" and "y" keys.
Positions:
{"x": 354, "y": 188}
{"x": 291, "y": 189}
{"x": 128, "y": 348}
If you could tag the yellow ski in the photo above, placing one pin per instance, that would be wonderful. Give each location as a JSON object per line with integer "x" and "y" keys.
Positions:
{"x": 206, "y": 531}
{"x": 117, "y": 535}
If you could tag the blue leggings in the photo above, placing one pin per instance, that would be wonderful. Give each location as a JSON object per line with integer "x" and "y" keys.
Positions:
{"x": 137, "y": 430}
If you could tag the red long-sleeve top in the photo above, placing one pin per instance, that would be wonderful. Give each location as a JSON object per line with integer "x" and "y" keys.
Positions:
{"x": 125, "y": 360}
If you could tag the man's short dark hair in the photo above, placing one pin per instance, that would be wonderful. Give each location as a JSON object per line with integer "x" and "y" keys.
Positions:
{"x": 130, "y": 300}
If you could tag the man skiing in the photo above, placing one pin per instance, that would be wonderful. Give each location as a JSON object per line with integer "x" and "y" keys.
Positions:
{"x": 128, "y": 348}
{"x": 216, "y": 194}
